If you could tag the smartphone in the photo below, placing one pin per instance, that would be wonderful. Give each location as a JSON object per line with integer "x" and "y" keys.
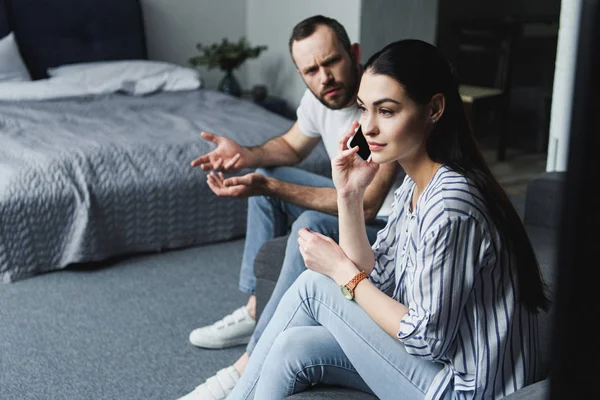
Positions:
{"x": 359, "y": 140}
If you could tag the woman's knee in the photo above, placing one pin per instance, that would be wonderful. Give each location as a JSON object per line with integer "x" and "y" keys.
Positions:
{"x": 310, "y": 283}
{"x": 301, "y": 350}
{"x": 284, "y": 355}
{"x": 294, "y": 347}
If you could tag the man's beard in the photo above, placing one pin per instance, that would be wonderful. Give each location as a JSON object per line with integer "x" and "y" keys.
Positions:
{"x": 346, "y": 92}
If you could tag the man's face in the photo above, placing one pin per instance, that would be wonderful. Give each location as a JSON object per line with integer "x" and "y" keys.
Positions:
{"x": 327, "y": 69}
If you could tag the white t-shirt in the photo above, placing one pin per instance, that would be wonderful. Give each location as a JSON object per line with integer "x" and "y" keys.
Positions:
{"x": 316, "y": 120}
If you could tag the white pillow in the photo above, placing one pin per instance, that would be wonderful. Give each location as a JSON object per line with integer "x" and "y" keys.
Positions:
{"x": 12, "y": 68}
{"x": 42, "y": 89}
{"x": 131, "y": 76}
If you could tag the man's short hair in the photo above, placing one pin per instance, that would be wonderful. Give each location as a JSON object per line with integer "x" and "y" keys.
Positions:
{"x": 307, "y": 27}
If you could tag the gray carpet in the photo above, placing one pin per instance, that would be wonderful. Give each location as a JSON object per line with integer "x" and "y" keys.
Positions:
{"x": 117, "y": 330}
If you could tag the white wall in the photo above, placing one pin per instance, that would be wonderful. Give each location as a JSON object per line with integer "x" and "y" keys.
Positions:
{"x": 564, "y": 79}
{"x": 174, "y": 27}
{"x": 270, "y": 22}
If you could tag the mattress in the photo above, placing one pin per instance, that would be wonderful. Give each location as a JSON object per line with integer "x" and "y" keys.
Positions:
{"x": 90, "y": 178}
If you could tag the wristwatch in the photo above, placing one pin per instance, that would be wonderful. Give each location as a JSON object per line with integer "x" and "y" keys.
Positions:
{"x": 348, "y": 288}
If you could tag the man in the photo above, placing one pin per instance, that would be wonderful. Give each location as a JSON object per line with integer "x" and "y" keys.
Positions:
{"x": 329, "y": 65}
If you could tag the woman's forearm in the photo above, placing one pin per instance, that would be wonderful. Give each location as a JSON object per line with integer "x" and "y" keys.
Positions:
{"x": 353, "y": 233}
{"x": 385, "y": 311}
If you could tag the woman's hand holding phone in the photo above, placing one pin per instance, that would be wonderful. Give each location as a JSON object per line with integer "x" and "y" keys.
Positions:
{"x": 350, "y": 173}
{"x": 359, "y": 140}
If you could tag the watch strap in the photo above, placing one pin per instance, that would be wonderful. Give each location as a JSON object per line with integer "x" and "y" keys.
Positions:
{"x": 351, "y": 285}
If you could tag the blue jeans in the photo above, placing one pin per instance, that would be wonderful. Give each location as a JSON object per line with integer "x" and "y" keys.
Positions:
{"x": 317, "y": 336}
{"x": 269, "y": 218}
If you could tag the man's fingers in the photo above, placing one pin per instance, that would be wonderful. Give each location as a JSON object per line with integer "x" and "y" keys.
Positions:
{"x": 232, "y": 162}
{"x": 210, "y": 181}
{"x": 217, "y": 165}
{"x": 238, "y": 180}
{"x": 210, "y": 177}
{"x": 214, "y": 178}
{"x": 216, "y": 185}
{"x": 235, "y": 181}
{"x": 200, "y": 160}
{"x": 209, "y": 136}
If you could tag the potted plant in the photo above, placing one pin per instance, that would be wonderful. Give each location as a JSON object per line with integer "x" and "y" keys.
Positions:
{"x": 227, "y": 56}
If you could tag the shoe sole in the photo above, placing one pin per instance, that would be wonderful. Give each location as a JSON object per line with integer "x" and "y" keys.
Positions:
{"x": 224, "y": 344}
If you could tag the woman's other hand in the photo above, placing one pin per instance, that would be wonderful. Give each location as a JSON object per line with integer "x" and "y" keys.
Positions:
{"x": 322, "y": 254}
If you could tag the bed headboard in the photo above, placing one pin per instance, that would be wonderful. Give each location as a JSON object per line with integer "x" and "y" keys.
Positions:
{"x": 4, "y": 29}
{"x": 57, "y": 32}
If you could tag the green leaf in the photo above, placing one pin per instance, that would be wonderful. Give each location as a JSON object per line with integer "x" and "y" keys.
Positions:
{"x": 226, "y": 55}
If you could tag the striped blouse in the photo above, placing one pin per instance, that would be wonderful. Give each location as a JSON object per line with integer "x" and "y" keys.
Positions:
{"x": 445, "y": 263}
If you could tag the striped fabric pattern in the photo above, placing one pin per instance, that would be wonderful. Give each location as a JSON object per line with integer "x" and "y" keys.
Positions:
{"x": 446, "y": 263}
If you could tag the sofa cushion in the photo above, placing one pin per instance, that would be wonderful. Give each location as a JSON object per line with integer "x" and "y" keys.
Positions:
{"x": 269, "y": 259}
{"x": 331, "y": 393}
{"x": 537, "y": 391}
{"x": 267, "y": 266}
{"x": 543, "y": 205}
{"x": 544, "y": 242}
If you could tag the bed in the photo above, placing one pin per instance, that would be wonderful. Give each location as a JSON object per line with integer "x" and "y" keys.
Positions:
{"x": 93, "y": 175}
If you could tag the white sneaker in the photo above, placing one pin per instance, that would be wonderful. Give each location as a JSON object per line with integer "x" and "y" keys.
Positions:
{"x": 216, "y": 387}
{"x": 233, "y": 330}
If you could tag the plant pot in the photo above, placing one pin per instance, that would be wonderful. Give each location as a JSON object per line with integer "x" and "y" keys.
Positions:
{"x": 230, "y": 85}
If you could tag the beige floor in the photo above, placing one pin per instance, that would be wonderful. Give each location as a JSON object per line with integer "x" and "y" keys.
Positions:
{"x": 517, "y": 169}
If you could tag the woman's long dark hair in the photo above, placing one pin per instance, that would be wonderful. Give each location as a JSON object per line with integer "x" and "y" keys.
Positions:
{"x": 423, "y": 72}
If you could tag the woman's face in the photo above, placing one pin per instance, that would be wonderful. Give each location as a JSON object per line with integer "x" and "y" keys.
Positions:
{"x": 393, "y": 124}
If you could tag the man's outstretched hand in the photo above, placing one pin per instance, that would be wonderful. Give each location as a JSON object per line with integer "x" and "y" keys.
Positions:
{"x": 228, "y": 156}
{"x": 252, "y": 184}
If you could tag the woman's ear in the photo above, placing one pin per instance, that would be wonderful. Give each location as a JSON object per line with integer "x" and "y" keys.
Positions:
{"x": 437, "y": 104}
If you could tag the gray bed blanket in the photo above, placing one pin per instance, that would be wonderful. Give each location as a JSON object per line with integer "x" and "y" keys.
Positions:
{"x": 87, "y": 179}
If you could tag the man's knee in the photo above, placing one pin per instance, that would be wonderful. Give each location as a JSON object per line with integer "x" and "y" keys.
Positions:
{"x": 268, "y": 172}
{"x": 316, "y": 221}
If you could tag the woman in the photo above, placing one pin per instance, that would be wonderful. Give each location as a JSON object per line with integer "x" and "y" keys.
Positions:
{"x": 462, "y": 281}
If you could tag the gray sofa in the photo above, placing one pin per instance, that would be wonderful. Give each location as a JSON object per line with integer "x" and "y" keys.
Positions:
{"x": 540, "y": 210}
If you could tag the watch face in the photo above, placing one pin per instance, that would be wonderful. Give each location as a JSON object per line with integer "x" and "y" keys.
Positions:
{"x": 347, "y": 293}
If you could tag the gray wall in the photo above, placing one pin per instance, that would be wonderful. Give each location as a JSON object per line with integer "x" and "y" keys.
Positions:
{"x": 270, "y": 22}
{"x": 174, "y": 27}
{"x": 385, "y": 21}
